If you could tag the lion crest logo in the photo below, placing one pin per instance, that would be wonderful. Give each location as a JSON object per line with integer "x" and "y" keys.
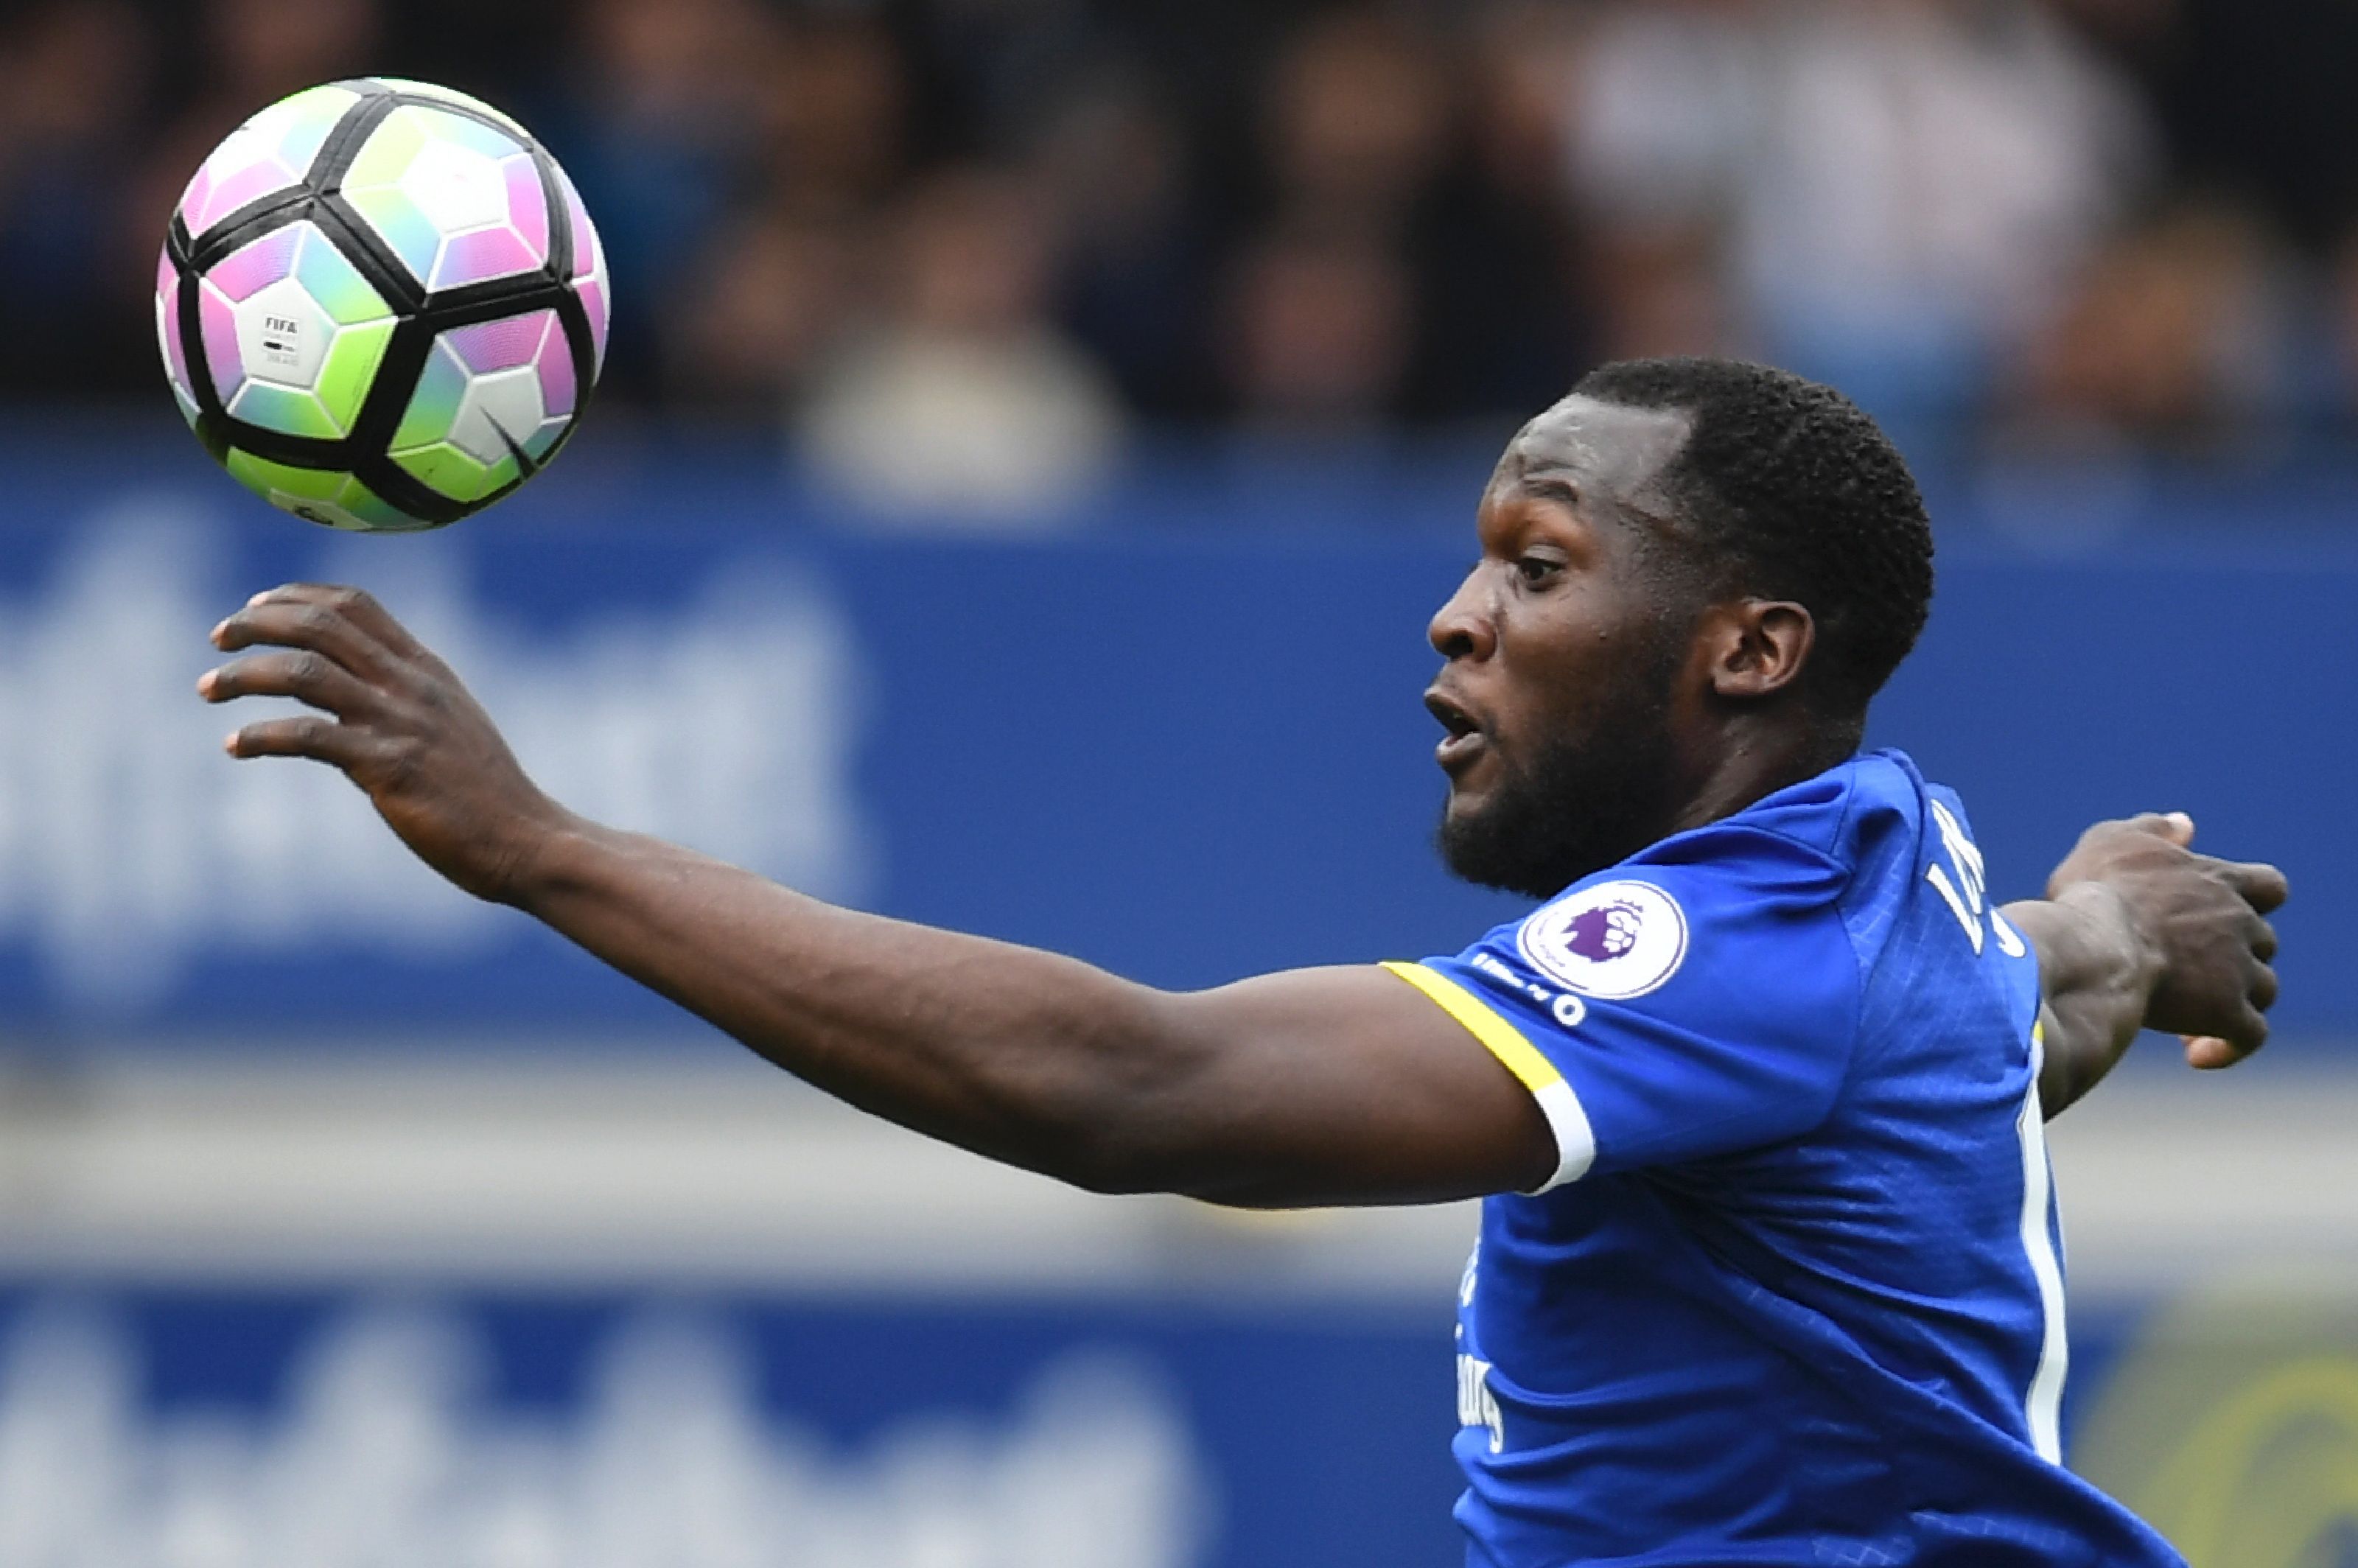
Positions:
{"x": 1614, "y": 940}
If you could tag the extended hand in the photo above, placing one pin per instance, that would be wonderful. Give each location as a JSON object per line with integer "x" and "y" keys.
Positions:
{"x": 397, "y": 722}
{"x": 2204, "y": 921}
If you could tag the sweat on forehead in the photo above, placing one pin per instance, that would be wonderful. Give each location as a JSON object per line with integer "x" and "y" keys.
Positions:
{"x": 1613, "y": 449}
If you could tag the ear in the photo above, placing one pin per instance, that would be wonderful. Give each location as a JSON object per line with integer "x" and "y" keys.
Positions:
{"x": 1758, "y": 647}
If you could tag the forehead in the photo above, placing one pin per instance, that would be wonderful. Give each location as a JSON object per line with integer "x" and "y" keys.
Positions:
{"x": 1609, "y": 451}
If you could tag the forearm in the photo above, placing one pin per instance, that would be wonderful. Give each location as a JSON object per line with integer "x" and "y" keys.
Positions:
{"x": 1022, "y": 1055}
{"x": 2096, "y": 979}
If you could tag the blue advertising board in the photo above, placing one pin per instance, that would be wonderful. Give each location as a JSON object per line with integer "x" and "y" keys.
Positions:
{"x": 1186, "y": 753}
{"x": 244, "y": 1427}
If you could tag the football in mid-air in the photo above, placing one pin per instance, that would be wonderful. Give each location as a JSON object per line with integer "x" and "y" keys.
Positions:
{"x": 381, "y": 304}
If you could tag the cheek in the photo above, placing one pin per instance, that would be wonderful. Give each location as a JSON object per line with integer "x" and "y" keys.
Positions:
{"x": 1563, "y": 654}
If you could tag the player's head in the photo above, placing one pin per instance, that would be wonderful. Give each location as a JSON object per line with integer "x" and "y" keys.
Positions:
{"x": 1694, "y": 576}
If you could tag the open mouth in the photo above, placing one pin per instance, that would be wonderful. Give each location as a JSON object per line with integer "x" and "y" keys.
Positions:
{"x": 1464, "y": 736}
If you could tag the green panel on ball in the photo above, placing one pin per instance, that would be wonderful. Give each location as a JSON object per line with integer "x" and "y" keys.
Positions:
{"x": 434, "y": 406}
{"x": 456, "y": 473}
{"x": 285, "y": 410}
{"x": 273, "y": 480}
{"x": 327, "y": 277}
{"x": 371, "y": 511}
{"x": 395, "y": 218}
{"x": 350, "y": 367}
{"x": 397, "y": 139}
{"x": 448, "y": 95}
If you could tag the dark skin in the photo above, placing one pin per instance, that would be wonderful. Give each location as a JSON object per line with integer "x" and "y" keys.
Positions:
{"x": 1309, "y": 1086}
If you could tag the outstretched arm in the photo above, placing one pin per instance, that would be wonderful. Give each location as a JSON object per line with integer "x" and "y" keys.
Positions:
{"x": 1328, "y": 1086}
{"x": 2139, "y": 932}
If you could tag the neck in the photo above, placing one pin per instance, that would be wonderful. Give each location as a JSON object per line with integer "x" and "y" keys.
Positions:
{"x": 1755, "y": 757}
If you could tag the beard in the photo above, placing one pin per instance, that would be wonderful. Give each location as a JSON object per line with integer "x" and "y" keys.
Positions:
{"x": 1577, "y": 802}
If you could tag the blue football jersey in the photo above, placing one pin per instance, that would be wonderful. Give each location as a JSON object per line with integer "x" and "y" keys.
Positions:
{"x": 1794, "y": 1294}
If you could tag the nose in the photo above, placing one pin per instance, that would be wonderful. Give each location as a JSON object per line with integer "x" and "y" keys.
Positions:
{"x": 1462, "y": 629}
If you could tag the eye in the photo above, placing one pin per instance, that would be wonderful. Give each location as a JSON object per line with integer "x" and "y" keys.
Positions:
{"x": 1536, "y": 570}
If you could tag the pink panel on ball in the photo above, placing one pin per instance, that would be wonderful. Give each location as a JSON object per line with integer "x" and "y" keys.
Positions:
{"x": 527, "y": 206}
{"x": 484, "y": 254}
{"x": 500, "y": 345}
{"x": 586, "y": 257}
{"x": 256, "y": 266}
{"x": 593, "y": 300}
{"x": 216, "y": 193}
{"x": 219, "y": 330}
{"x": 168, "y": 296}
{"x": 558, "y": 389}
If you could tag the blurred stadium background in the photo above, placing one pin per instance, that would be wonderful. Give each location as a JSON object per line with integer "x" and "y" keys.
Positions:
{"x": 1035, "y": 432}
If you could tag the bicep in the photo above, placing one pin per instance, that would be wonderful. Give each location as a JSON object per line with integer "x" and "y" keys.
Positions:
{"x": 1344, "y": 1085}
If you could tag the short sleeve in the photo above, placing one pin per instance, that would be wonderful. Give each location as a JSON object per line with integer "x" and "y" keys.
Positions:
{"x": 1662, "y": 1015}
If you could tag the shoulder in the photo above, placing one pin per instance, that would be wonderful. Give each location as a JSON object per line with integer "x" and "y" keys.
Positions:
{"x": 1866, "y": 821}
{"x": 1847, "y": 815}
{"x": 1765, "y": 903}
{"x": 1674, "y": 1006}
{"x": 1707, "y": 926}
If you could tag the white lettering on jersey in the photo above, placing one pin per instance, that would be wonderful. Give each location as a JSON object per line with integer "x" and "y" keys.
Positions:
{"x": 1967, "y": 893}
{"x": 1477, "y": 1406}
{"x": 1963, "y": 894}
{"x": 1567, "y": 1008}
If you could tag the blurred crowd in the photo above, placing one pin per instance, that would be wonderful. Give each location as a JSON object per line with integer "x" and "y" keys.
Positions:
{"x": 969, "y": 245}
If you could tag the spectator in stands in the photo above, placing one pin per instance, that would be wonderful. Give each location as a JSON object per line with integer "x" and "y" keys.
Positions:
{"x": 1895, "y": 190}
{"x": 1392, "y": 174}
{"x": 834, "y": 119}
{"x": 1373, "y": 228}
{"x": 75, "y": 256}
{"x": 962, "y": 402}
{"x": 1140, "y": 254}
{"x": 1356, "y": 124}
{"x": 771, "y": 298}
{"x": 1321, "y": 325}
{"x": 779, "y": 283}
{"x": 659, "y": 131}
{"x": 2170, "y": 336}
{"x": 253, "y": 52}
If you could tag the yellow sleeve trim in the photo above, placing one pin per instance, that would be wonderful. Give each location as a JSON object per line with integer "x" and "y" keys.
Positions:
{"x": 1505, "y": 1041}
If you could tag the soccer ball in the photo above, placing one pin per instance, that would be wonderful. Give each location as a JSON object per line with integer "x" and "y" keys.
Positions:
{"x": 381, "y": 304}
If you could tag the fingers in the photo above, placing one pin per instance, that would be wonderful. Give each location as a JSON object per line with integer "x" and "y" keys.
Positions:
{"x": 2263, "y": 886}
{"x": 2209, "y": 1052}
{"x": 2174, "y": 825}
{"x": 344, "y": 624}
{"x": 354, "y": 605}
{"x": 305, "y": 735}
{"x": 303, "y": 674}
{"x": 2249, "y": 1031}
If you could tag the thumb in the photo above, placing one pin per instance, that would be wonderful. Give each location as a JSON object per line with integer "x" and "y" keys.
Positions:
{"x": 2174, "y": 825}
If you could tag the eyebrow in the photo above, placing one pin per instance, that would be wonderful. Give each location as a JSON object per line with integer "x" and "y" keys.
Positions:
{"x": 1563, "y": 490}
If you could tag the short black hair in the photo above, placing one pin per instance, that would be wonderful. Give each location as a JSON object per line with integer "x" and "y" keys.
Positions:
{"x": 1793, "y": 491}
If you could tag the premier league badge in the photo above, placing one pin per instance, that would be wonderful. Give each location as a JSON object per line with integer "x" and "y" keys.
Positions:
{"x": 1614, "y": 941}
